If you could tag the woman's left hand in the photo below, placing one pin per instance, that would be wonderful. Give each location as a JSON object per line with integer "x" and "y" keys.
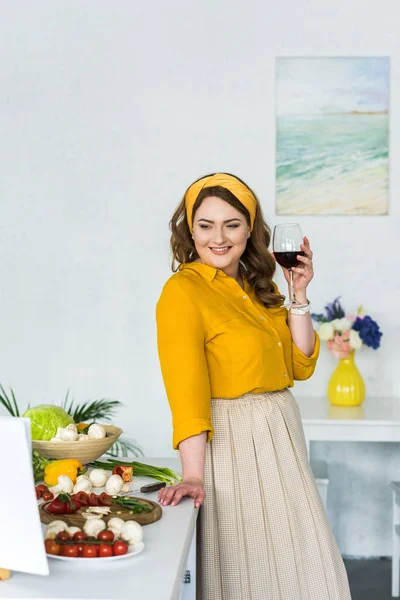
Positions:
{"x": 304, "y": 272}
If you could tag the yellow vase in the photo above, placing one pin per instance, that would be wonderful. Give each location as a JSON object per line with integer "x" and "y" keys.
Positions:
{"x": 346, "y": 386}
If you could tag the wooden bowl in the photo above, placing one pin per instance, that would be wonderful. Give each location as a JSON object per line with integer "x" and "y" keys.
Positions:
{"x": 86, "y": 451}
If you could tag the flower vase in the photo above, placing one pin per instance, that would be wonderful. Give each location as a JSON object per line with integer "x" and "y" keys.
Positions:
{"x": 346, "y": 386}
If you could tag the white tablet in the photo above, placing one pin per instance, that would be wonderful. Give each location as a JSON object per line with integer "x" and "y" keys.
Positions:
{"x": 21, "y": 535}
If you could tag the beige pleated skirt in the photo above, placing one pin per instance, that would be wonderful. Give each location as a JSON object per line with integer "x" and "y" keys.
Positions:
{"x": 263, "y": 533}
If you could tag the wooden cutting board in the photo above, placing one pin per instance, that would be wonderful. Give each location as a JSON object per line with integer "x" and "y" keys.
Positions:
{"x": 77, "y": 520}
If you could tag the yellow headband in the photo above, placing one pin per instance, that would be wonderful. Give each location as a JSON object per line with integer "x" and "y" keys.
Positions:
{"x": 242, "y": 193}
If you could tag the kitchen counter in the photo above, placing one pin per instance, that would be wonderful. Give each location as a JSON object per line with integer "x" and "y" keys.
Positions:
{"x": 154, "y": 574}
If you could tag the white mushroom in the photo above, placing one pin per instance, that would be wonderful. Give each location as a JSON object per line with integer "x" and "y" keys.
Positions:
{"x": 72, "y": 427}
{"x": 136, "y": 547}
{"x": 68, "y": 435}
{"x": 64, "y": 484}
{"x": 55, "y": 527}
{"x": 132, "y": 532}
{"x": 115, "y": 523}
{"x": 71, "y": 530}
{"x": 114, "y": 485}
{"x": 96, "y": 431}
{"x": 98, "y": 477}
{"x": 83, "y": 437}
{"x": 93, "y": 527}
{"x": 83, "y": 484}
{"x": 126, "y": 487}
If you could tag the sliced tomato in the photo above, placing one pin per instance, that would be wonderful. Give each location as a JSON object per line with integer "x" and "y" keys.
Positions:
{"x": 104, "y": 499}
{"x": 93, "y": 499}
{"x": 76, "y": 501}
{"x": 83, "y": 498}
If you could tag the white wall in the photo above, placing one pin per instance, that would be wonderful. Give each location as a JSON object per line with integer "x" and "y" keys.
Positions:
{"x": 108, "y": 111}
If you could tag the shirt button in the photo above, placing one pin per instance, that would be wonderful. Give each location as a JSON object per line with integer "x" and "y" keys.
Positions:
{"x": 279, "y": 344}
{"x": 285, "y": 374}
{"x": 244, "y": 297}
{"x": 262, "y": 318}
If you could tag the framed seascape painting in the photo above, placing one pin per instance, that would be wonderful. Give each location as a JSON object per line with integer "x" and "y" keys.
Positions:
{"x": 332, "y": 136}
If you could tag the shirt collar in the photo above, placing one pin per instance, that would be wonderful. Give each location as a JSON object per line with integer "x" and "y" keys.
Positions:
{"x": 206, "y": 271}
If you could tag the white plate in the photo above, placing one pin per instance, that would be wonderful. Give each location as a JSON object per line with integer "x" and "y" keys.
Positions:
{"x": 96, "y": 560}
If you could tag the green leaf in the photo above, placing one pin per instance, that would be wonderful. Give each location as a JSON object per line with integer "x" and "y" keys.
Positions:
{"x": 95, "y": 410}
{"x": 15, "y": 402}
{"x": 10, "y": 406}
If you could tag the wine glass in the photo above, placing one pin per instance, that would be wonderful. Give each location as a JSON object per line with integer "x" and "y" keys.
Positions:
{"x": 287, "y": 239}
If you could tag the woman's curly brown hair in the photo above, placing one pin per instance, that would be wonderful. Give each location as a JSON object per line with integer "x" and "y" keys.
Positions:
{"x": 256, "y": 262}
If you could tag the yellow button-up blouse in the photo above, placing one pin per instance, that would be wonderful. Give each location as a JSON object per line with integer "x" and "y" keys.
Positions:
{"x": 216, "y": 340}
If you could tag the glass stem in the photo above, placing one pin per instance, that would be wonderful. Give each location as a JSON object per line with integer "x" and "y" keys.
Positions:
{"x": 292, "y": 297}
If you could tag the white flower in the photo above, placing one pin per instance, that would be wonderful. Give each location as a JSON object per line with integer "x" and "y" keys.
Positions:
{"x": 355, "y": 340}
{"x": 342, "y": 324}
{"x": 325, "y": 331}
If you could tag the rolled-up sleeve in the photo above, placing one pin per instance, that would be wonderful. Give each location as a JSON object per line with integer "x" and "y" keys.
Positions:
{"x": 304, "y": 366}
{"x": 180, "y": 344}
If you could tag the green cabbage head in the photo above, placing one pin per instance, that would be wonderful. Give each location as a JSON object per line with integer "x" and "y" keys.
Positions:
{"x": 45, "y": 419}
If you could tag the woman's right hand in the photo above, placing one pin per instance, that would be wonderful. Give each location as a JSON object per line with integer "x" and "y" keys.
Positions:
{"x": 172, "y": 494}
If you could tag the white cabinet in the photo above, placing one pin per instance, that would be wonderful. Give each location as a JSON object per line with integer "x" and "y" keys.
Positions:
{"x": 188, "y": 586}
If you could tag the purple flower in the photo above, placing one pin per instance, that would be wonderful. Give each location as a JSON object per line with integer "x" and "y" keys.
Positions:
{"x": 332, "y": 311}
{"x": 369, "y": 331}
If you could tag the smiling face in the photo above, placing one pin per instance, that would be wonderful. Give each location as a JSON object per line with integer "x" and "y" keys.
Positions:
{"x": 220, "y": 234}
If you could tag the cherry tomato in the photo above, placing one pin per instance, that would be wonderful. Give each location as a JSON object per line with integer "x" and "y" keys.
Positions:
{"x": 52, "y": 547}
{"x": 89, "y": 551}
{"x": 47, "y": 496}
{"x": 63, "y": 535}
{"x": 38, "y": 494}
{"x": 80, "y": 548}
{"x": 79, "y": 535}
{"x": 70, "y": 550}
{"x": 42, "y": 488}
{"x": 106, "y": 535}
{"x": 119, "y": 547}
{"x": 105, "y": 550}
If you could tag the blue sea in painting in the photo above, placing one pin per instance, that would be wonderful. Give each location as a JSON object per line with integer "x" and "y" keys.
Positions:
{"x": 332, "y": 164}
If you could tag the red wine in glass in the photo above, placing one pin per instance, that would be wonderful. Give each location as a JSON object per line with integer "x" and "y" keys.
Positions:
{"x": 287, "y": 260}
{"x": 287, "y": 239}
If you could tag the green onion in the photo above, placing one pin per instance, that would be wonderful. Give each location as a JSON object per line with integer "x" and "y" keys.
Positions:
{"x": 132, "y": 504}
{"x": 159, "y": 473}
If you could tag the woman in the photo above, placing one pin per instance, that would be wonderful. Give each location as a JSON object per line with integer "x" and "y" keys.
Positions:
{"x": 229, "y": 352}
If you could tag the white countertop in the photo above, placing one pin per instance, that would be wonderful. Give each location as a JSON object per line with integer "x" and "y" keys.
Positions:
{"x": 155, "y": 574}
{"x": 373, "y": 411}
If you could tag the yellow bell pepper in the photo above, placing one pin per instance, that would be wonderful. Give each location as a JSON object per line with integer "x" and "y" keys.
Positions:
{"x": 67, "y": 466}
